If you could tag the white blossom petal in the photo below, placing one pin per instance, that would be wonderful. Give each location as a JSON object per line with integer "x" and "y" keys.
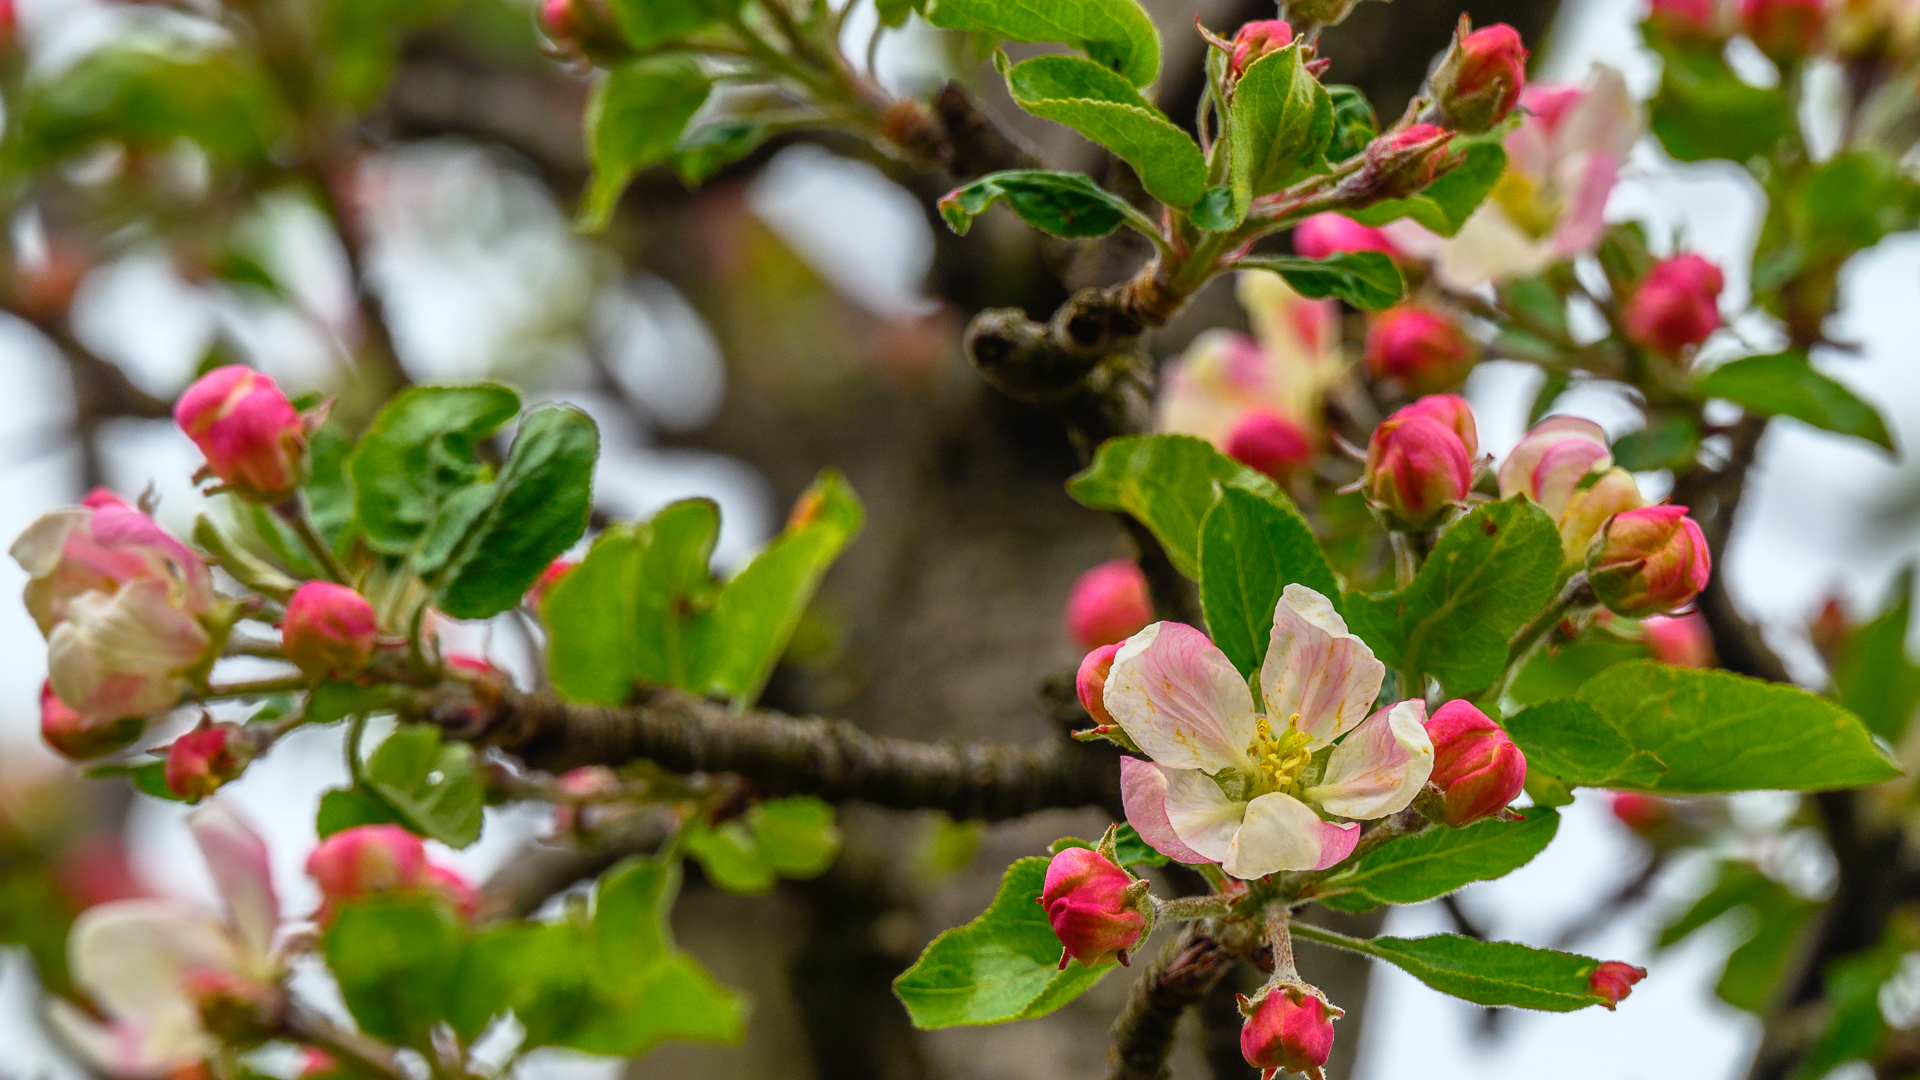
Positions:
{"x": 127, "y": 1050}
{"x": 132, "y": 957}
{"x": 242, "y": 871}
{"x": 1202, "y": 816}
{"x": 1180, "y": 699}
{"x": 1378, "y": 768}
{"x": 1315, "y": 668}
{"x": 1143, "y": 794}
{"x": 1282, "y": 833}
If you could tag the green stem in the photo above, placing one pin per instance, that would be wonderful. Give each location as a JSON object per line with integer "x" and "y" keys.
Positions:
{"x": 1576, "y": 593}
{"x": 1335, "y": 939}
{"x": 294, "y": 513}
{"x": 1279, "y": 936}
{"x": 1186, "y": 908}
{"x": 239, "y": 645}
{"x": 356, "y": 731}
{"x": 256, "y": 688}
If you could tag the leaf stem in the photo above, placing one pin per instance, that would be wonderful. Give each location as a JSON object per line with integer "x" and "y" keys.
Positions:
{"x": 1187, "y": 908}
{"x": 314, "y": 1029}
{"x": 356, "y": 733}
{"x": 1576, "y": 593}
{"x": 256, "y": 688}
{"x": 294, "y": 513}
{"x": 1334, "y": 938}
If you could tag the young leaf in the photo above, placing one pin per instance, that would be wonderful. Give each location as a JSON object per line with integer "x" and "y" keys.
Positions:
{"x": 1784, "y": 384}
{"x": 1491, "y": 571}
{"x": 1004, "y": 965}
{"x": 730, "y": 857}
{"x": 432, "y": 784}
{"x": 1445, "y": 204}
{"x": 1167, "y": 482}
{"x": 1067, "y": 205}
{"x": 536, "y": 970}
{"x": 1873, "y": 675}
{"x": 649, "y": 24}
{"x": 148, "y": 777}
{"x": 1571, "y": 742}
{"x": 1106, "y": 108}
{"x": 395, "y": 958}
{"x": 1409, "y": 869}
{"x": 1669, "y": 442}
{"x": 1117, "y": 34}
{"x": 634, "y": 119}
{"x": 1494, "y": 973}
{"x": 1281, "y": 123}
{"x": 1702, "y": 110}
{"x": 347, "y": 808}
{"x": 796, "y": 835}
{"x": 1251, "y": 549}
{"x": 1559, "y": 671}
{"x": 1368, "y": 280}
{"x": 1354, "y": 122}
{"x": 418, "y": 453}
{"x": 539, "y": 507}
{"x": 711, "y": 147}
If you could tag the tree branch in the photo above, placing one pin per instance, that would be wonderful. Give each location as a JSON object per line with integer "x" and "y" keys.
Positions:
{"x": 1180, "y": 977}
{"x": 781, "y": 754}
{"x": 542, "y": 870}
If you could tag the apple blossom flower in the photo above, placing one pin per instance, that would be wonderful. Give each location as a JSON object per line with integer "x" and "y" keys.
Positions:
{"x": 1093, "y": 907}
{"x": 1562, "y": 161}
{"x": 1648, "y": 561}
{"x": 1676, "y": 306}
{"x": 154, "y": 967}
{"x": 329, "y": 630}
{"x": 1565, "y": 465}
{"x": 1613, "y": 980}
{"x": 100, "y": 546}
{"x": 1479, "y": 81}
{"x": 1282, "y": 369}
{"x": 1476, "y": 766}
{"x": 1231, "y": 785}
{"x": 1289, "y": 1028}
{"x": 1108, "y": 603}
{"x": 254, "y": 439}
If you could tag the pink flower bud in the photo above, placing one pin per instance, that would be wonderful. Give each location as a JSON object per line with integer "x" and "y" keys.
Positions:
{"x": 589, "y": 784}
{"x": 1417, "y": 467}
{"x": 1479, "y": 81}
{"x": 1683, "y": 641}
{"x": 207, "y": 757}
{"x": 1686, "y": 20}
{"x": 1327, "y": 234}
{"x": 549, "y": 577}
{"x": 1827, "y": 630}
{"x": 1288, "y": 1029}
{"x": 558, "y": 20}
{"x": 1451, "y": 410}
{"x": 103, "y": 546}
{"x": 453, "y": 887}
{"x": 1676, "y": 306}
{"x": 1786, "y": 30}
{"x": 251, "y": 435}
{"x": 79, "y": 738}
{"x": 1108, "y": 604}
{"x": 1553, "y": 460}
{"x": 1648, "y": 561}
{"x": 1475, "y": 765}
{"x": 9, "y": 24}
{"x": 1589, "y": 507}
{"x": 1091, "y": 682}
{"x": 366, "y": 860}
{"x": 1268, "y": 442}
{"x": 315, "y": 1062}
{"x": 1614, "y": 980}
{"x": 1423, "y": 348}
{"x": 1400, "y": 164}
{"x": 1256, "y": 39}
{"x": 1644, "y": 814}
{"x": 1085, "y": 898}
{"x": 329, "y": 630}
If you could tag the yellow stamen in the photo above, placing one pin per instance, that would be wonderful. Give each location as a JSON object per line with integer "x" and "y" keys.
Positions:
{"x": 1277, "y": 761}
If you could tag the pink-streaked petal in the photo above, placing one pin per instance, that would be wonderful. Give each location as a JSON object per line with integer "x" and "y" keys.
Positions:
{"x": 1378, "y": 768}
{"x": 132, "y": 958}
{"x": 1180, "y": 699}
{"x": 1571, "y": 439}
{"x": 1490, "y": 247}
{"x": 1583, "y": 221}
{"x": 1337, "y": 841}
{"x": 125, "y": 1050}
{"x": 38, "y": 549}
{"x": 1606, "y": 120}
{"x": 241, "y": 870}
{"x": 1143, "y": 794}
{"x": 1315, "y": 668}
{"x": 1203, "y": 818}
{"x": 1280, "y": 833}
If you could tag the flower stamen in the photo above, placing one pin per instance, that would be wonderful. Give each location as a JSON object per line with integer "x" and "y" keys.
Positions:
{"x": 1278, "y": 760}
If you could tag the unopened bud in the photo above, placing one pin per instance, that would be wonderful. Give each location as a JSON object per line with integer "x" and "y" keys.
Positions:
{"x": 1267, "y": 442}
{"x": 1648, "y": 561}
{"x": 1108, "y": 603}
{"x": 1256, "y": 39}
{"x": 366, "y": 860}
{"x": 1479, "y": 81}
{"x": 1827, "y": 630}
{"x": 203, "y": 759}
{"x": 1289, "y": 1028}
{"x": 1686, "y": 20}
{"x": 1423, "y": 348}
{"x": 1093, "y": 907}
{"x": 1682, "y": 640}
{"x": 1613, "y": 980}
{"x": 1091, "y": 682}
{"x": 329, "y": 630}
{"x": 1451, "y": 410}
{"x": 1553, "y": 460}
{"x": 1588, "y": 508}
{"x": 1327, "y": 234}
{"x": 1644, "y": 814}
{"x": 549, "y": 577}
{"x": 1417, "y": 468}
{"x": 581, "y": 26}
{"x": 1676, "y": 306}
{"x": 1476, "y": 767}
{"x": 1788, "y": 31}
{"x": 453, "y": 887}
{"x": 1399, "y": 164}
{"x": 76, "y": 736}
{"x": 253, "y": 438}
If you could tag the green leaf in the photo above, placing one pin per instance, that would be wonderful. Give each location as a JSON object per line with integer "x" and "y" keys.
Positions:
{"x": 1354, "y": 122}
{"x": 1702, "y": 110}
{"x": 1410, "y": 869}
{"x": 420, "y": 452}
{"x": 329, "y": 489}
{"x": 539, "y": 507}
{"x": 1281, "y": 122}
{"x": 797, "y": 836}
{"x": 1130, "y": 850}
{"x": 1004, "y": 965}
{"x": 1855, "y": 1027}
{"x": 1251, "y": 549}
{"x": 538, "y": 971}
{"x": 1556, "y": 671}
{"x": 395, "y": 958}
{"x": 634, "y": 119}
{"x": 730, "y": 856}
{"x": 148, "y": 777}
{"x": 347, "y": 808}
{"x": 1117, "y": 34}
{"x": 1067, "y": 205}
{"x": 1714, "y": 731}
{"x": 1785, "y": 384}
{"x": 1167, "y": 483}
{"x": 1667, "y": 442}
{"x": 1445, "y": 204}
{"x": 711, "y": 147}
{"x": 1106, "y": 108}
{"x": 1571, "y": 742}
{"x": 1368, "y": 280}
{"x": 434, "y": 785}
{"x": 332, "y": 700}
{"x": 1490, "y": 572}
{"x": 1872, "y": 673}
{"x": 361, "y": 41}
{"x": 1214, "y": 212}
{"x": 1754, "y": 970}
{"x": 649, "y": 24}
{"x": 1494, "y": 973}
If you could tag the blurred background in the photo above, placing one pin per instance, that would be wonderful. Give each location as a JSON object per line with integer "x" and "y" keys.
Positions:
{"x": 803, "y": 310}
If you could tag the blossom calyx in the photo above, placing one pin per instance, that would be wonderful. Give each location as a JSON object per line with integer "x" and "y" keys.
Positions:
{"x": 1267, "y": 442}
{"x": 1648, "y": 561}
{"x": 1400, "y": 163}
{"x": 203, "y": 759}
{"x": 1108, "y": 603}
{"x": 1417, "y": 468}
{"x": 1676, "y": 306}
{"x": 1289, "y": 1028}
{"x": 1423, "y": 348}
{"x": 1613, "y": 980}
{"x": 329, "y": 631}
{"x": 237, "y": 1009}
{"x": 1476, "y": 767}
{"x": 1097, "y": 910}
{"x": 253, "y": 438}
{"x": 1479, "y": 81}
